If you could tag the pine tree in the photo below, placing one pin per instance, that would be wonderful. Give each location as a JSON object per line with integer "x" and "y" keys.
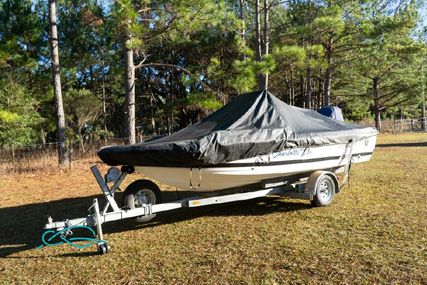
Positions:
{"x": 56, "y": 80}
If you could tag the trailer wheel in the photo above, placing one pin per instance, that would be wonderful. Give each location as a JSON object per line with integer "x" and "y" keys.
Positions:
{"x": 325, "y": 190}
{"x": 140, "y": 193}
{"x": 103, "y": 248}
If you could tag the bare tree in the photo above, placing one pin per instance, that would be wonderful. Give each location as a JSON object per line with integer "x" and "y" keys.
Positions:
{"x": 56, "y": 81}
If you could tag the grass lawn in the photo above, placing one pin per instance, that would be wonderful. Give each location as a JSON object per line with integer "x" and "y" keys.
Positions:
{"x": 375, "y": 232}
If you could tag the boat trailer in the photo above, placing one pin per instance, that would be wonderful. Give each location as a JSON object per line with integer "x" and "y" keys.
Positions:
{"x": 318, "y": 187}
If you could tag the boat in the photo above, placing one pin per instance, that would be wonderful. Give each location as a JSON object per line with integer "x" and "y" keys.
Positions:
{"x": 254, "y": 138}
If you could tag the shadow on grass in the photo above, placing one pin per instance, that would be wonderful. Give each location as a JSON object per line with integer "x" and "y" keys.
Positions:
{"x": 414, "y": 144}
{"x": 21, "y": 226}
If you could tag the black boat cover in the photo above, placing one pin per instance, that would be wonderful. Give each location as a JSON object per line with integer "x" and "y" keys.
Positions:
{"x": 252, "y": 124}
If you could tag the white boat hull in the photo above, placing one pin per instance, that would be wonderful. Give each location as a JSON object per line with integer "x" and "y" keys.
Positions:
{"x": 254, "y": 170}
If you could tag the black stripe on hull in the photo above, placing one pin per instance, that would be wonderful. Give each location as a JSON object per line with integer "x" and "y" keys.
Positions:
{"x": 297, "y": 161}
{"x": 249, "y": 164}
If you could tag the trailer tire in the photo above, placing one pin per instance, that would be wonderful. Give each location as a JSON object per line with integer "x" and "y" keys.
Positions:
{"x": 325, "y": 191}
{"x": 103, "y": 248}
{"x": 139, "y": 193}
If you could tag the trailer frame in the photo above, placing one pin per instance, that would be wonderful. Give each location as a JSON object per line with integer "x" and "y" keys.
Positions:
{"x": 302, "y": 188}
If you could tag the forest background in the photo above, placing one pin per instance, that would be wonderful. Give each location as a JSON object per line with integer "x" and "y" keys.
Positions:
{"x": 128, "y": 69}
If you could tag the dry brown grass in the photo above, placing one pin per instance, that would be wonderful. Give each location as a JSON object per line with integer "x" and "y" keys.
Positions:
{"x": 375, "y": 232}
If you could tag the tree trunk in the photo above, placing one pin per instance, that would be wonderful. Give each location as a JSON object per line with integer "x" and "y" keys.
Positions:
{"x": 377, "y": 111}
{"x": 302, "y": 94}
{"x": 130, "y": 92}
{"x": 171, "y": 115}
{"x": 56, "y": 79}
{"x": 242, "y": 18}
{"x": 292, "y": 91}
{"x": 266, "y": 39}
{"x": 153, "y": 121}
{"x": 319, "y": 94}
{"x": 423, "y": 115}
{"x": 70, "y": 152}
{"x": 43, "y": 136}
{"x": 328, "y": 76}
{"x": 258, "y": 51}
{"x": 12, "y": 152}
{"x": 81, "y": 143}
{"x": 377, "y": 114}
{"x": 104, "y": 102}
{"x": 308, "y": 89}
{"x": 423, "y": 104}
